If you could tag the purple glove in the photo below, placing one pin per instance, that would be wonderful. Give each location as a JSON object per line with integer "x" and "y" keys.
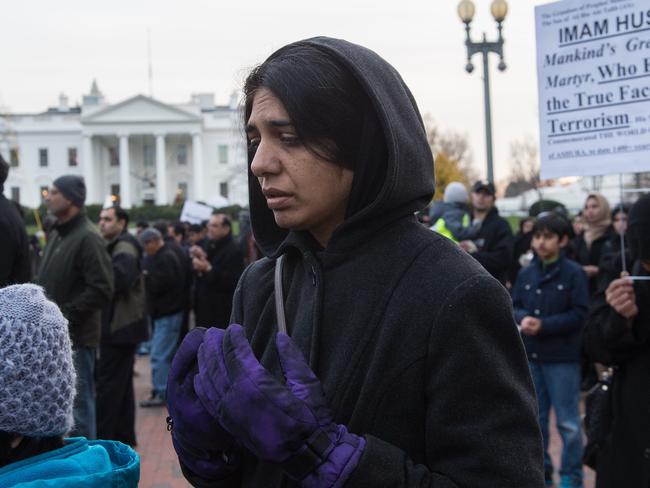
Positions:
{"x": 201, "y": 444}
{"x": 286, "y": 424}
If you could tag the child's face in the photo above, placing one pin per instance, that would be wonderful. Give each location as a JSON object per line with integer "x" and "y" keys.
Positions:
{"x": 547, "y": 244}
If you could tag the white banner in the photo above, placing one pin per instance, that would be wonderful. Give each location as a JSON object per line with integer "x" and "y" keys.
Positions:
{"x": 195, "y": 213}
{"x": 593, "y": 75}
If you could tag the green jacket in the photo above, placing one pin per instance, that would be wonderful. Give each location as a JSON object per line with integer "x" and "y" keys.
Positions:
{"x": 77, "y": 275}
{"x": 124, "y": 321}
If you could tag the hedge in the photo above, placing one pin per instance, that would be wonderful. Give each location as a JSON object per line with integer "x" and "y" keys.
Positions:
{"x": 150, "y": 213}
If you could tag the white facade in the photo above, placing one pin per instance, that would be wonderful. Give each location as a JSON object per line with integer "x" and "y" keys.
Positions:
{"x": 141, "y": 149}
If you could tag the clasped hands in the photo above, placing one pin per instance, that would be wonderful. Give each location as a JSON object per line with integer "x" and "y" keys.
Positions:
{"x": 200, "y": 261}
{"x": 223, "y": 401}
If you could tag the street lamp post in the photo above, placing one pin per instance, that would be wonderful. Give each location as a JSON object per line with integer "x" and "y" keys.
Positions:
{"x": 499, "y": 9}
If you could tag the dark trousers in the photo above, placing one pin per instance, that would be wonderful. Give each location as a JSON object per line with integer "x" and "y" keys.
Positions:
{"x": 115, "y": 397}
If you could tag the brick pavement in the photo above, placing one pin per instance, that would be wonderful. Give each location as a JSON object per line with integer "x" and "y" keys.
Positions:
{"x": 159, "y": 466}
{"x": 158, "y": 463}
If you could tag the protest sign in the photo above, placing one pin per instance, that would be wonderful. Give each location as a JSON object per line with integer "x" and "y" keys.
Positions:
{"x": 593, "y": 69}
{"x": 195, "y": 213}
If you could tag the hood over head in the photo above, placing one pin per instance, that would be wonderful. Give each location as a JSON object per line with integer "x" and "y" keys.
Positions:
{"x": 393, "y": 177}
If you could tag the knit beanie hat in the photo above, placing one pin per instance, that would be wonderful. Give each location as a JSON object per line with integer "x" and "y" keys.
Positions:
{"x": 455, "y": 192}
{"x": 73, "y": 188}
{"x": 37, "y": 377}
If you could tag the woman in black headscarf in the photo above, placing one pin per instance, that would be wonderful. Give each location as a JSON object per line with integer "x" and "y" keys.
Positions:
{"x": 618, "y": 334}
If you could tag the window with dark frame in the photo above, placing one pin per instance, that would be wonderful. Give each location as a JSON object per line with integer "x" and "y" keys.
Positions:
{"x": 181, "y": 154}
{"x": 72, "y": 156}
{"x": 113, "y": 156}
{"x": 115, "y": 189}
{"x": 43, "y": 157}
{"x": 14, "y": 160}
{"x": 223, "y": 189}
{"x": 15, "y": 194}
{"x": 148, "y": 155}
{"x": 223, "y": 154}
{"x": 182, "y": 190}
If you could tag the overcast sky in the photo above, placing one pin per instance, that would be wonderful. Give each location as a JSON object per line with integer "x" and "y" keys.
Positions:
{"x": 207, "y": 46}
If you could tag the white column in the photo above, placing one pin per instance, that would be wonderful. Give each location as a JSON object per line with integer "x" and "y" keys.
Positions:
{"x": 125, "y": 172}
{"x": 161, "y": 171}
{"x": 88, "y": 169}
{"x": 197, "y": 154}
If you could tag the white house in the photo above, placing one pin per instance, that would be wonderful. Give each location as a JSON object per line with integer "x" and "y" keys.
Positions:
{"x": 141, "y": 150}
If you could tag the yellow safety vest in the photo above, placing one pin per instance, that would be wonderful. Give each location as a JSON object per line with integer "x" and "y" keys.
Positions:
{"x": 441, "y": 227}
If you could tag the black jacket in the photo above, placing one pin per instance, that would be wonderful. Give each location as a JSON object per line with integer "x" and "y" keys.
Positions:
{"x": 124, "y": 321}
{"x": 77, "y": 275}
{"x": 214, "y": 290}
{"x": 15, "y": 266}
{"x": 494, "y": 244}
{"x": 625, "y": 459}
{"x": 164, "y": 283}
{"x": 413, "y": 341}
{"x": 584, "y": 255}
{"x": 183, "y": 255}
{"x": 521, "y": 244}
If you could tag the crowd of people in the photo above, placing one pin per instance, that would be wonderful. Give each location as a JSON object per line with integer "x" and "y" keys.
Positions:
{"x": 571, "y": 298}
{"x": 345, "y": 344}
{"x": 117, "y": 289}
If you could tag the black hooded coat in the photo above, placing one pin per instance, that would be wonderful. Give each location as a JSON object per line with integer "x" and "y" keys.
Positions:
{"x": 413, "y": 341}
{"x": 609, "y": 338}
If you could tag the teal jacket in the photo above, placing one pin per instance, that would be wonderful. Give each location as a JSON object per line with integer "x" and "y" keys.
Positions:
{"x": 79, "y": 463}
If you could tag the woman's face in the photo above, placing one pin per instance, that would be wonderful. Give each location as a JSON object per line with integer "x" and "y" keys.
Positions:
{"x": 620, "y": 223}
{"x": 578, "y": 225}
{"x": 304, "y": 192}
{"x": 527, "y": 226}
{"x": 591, "y": 210}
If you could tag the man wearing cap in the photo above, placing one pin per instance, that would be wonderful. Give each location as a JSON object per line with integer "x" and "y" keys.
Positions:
{"x": 492, "y": 245}
{"x": 164, "y": 286}
{"x": 76, "y": 274}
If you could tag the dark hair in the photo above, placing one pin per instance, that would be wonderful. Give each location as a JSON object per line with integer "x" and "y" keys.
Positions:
{"x": 4, "y": 171}
{"x": 620, "y": 208}
{"x": 163, "y": 227}
{"x": 142, "y": 223}
{"x": 226, "y": 220}
{"x": 179, "y": 229}
{"x": 552, "y": 222}
{"x": 330, "y": 111}
{"x": 196, "y": 228}
{"x": 28, "y": 447}
{"x": 321, "y": 97}
{"x": 121, "y": 214}
{"x": 523, "y": 221}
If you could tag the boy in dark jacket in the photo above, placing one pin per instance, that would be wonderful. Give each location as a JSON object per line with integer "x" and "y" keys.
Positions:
{"x": 550, "y": 301}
